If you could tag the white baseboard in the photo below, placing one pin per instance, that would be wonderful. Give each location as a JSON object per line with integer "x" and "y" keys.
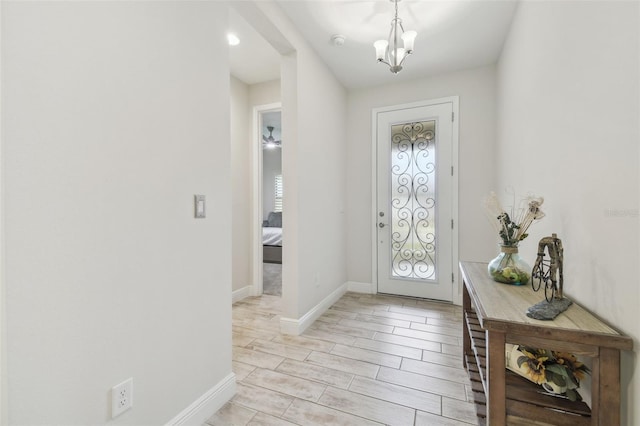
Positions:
{"x": 240, "y": 294}
{"x": 298, "y": 326}
{"x": 204, "y": 407}
{"x": 357, "y": 287}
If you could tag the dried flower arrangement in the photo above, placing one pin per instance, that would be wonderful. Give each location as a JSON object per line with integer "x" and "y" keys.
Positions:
{"x": 512, "y": 228}
{"x": 557, "y": 372}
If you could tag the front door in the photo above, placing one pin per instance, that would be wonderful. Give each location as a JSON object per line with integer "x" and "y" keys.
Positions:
{"x": 415, "y": 199}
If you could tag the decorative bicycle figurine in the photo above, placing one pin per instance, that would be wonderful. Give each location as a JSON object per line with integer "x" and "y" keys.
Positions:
{"x": 549, "y": 271}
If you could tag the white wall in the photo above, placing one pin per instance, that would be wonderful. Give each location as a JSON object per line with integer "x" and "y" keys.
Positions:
{"x": 264, "y": 93}
{"x": 114, "y": 115}
{"x": 476, "y": 89}
{"x": 322, "y": 122}
{"x": 241, "y": 164}
{"x": 568, "y": 129}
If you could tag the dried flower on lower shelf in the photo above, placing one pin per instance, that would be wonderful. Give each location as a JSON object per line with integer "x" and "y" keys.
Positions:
{"x": 557, "y": 372}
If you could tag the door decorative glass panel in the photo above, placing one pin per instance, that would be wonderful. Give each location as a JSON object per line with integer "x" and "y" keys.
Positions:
{"x": 413, "y": 200}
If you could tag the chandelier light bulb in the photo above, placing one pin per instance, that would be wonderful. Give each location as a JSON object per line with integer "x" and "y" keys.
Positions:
{"x": 381, "y": 49}
{"x": 398, "y": 54}
{"x": 408, "y": 38}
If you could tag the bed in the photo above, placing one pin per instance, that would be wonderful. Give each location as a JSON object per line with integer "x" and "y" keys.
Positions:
{"x": 272, "y": 238}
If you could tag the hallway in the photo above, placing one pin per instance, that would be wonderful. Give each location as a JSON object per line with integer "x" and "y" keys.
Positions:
{"x": 370, "y": 359}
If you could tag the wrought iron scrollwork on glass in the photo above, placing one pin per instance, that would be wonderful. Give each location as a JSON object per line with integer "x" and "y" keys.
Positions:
{"x": 413, "y": 200}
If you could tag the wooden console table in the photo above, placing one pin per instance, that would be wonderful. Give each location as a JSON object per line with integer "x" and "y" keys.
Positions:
{"x": 495, "y": 314}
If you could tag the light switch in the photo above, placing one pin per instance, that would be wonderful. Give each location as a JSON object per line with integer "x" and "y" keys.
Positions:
{"x": 199, "y": 206}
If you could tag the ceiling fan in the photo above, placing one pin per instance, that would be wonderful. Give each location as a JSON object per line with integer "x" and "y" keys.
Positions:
{"x": 269, "y": 141}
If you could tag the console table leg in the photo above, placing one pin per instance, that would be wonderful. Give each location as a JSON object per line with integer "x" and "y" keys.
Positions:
{"x": 496, "y": 392}
{"x": 608, "y": 382}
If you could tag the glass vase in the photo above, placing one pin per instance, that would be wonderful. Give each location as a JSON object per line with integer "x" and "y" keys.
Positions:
{"x": 509, "y": 268}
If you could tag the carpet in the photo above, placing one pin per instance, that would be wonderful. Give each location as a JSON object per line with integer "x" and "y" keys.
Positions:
{"x": 272, "y": 279}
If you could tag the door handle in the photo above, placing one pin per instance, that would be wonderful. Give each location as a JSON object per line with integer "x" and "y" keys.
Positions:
{"x": 382, "y": 225}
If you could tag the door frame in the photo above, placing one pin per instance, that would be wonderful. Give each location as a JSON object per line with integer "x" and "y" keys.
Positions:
{"x": 454, "y": 100}
{"x": 256, "y": 216}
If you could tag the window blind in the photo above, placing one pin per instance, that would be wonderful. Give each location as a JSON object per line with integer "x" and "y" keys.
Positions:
{"x": 278, "y": 200}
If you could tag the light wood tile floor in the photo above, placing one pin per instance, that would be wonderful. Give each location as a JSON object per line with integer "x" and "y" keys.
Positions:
{"x": 369, "y": 360}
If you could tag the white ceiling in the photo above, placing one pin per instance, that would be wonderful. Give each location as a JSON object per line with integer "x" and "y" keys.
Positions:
{"x": 452, "y": 35}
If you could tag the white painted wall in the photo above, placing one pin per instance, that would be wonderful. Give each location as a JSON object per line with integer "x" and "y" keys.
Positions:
{"x": 114, "y": 115}
{"x": 322, "y": 165}
{"x": 241, "y": 139}
{"x": 568, "y": 129}
{"x": 476, "y": 89}
{"x": 264, "y": 93}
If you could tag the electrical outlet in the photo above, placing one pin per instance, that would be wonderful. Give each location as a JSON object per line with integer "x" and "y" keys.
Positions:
{"x": 121, "y": 397}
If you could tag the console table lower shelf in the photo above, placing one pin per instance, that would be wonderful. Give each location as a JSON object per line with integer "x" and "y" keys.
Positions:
{"x": 523, "y": 398}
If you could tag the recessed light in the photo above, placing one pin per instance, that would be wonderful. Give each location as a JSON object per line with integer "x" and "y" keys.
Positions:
{"x": 233, "y": 39}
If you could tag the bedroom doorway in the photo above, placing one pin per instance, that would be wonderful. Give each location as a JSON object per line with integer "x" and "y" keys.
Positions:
{"x": 268, "y": 201}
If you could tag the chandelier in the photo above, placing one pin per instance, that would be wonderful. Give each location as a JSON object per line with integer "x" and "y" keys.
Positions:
{"x": 388, "y": 51}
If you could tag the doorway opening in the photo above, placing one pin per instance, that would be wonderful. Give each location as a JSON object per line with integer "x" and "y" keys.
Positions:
{"x": 267, "y": 200}
{"x": 271, "y": 191}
